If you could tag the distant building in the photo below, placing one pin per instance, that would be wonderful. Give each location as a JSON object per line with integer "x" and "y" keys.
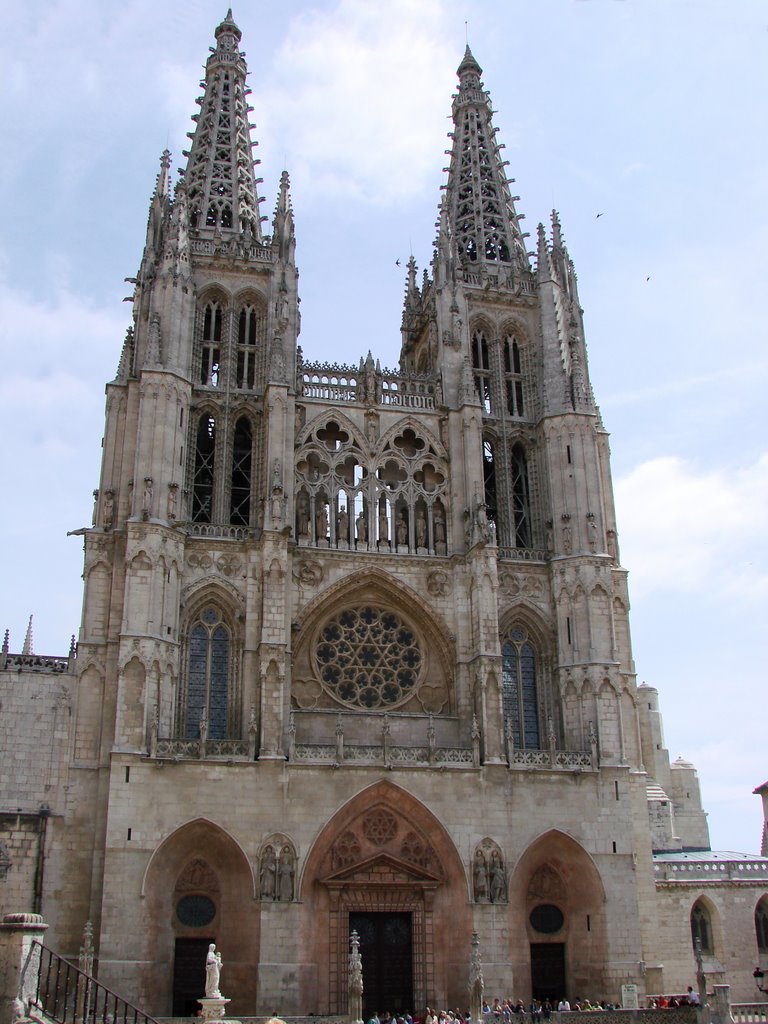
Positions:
{"x": 355, "y": 647}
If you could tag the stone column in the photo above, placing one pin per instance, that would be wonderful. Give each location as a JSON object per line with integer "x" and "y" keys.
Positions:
{"x": 19, "y": 963}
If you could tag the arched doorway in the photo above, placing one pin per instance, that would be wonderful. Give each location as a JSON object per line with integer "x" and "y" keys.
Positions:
{"x": 198, "y": 888}
{"x": 557, "y": 900}
{"x": 385, "y": 865}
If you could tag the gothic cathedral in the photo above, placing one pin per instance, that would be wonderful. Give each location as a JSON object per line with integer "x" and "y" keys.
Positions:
{"x": 355, "y": 649}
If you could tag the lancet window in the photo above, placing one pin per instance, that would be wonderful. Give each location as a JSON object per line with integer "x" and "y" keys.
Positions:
{"x": 240, "y": 481}
{"x": 761, "y": 925}
{"x": 205, "y": 707}
{"x": 482, "y": 369}
{"x": 210, "y": 364}
{"x": 346, "y": 498}
{"x": 489, "y": 480}
{"x": 513, "y": 377}
{"x": 203, "y": 479}
{"x": 701, "y": 928}
{"x": 519, "y": 689}
{"x": 250, "y": 326}
{"x": 521, "y": 507}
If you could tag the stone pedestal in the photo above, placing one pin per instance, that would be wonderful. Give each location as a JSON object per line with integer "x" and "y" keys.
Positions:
{"x": 214, "y": 1008}
{"x": 18, "y": 965}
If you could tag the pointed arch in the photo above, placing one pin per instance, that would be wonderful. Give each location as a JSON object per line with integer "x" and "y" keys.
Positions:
{"x": 413, "y": 657}
{"x": 384, "y": 850}
{"x": 201, "y": 858}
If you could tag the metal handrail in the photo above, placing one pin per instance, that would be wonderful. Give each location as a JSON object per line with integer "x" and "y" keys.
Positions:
{"x": 67, "y": 995}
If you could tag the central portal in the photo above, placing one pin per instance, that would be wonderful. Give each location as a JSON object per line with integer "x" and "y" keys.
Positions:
{"x": 386, "y": 949}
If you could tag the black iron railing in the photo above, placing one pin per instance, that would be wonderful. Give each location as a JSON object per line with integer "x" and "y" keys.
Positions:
{"x": 68, "y": 996}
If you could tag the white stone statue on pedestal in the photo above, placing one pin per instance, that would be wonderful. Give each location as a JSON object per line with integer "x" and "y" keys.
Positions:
{"x": 212, "y": 973}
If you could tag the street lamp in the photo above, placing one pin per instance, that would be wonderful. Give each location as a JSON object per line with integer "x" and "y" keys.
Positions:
{"x": 758, "y": 975}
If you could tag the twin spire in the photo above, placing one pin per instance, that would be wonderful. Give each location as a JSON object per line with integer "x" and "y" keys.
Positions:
{"x": 478, "y": 210}
{"x": 220, "y": 181}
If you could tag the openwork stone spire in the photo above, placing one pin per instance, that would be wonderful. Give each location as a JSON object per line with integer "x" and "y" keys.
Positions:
{"x": 479, "y": 207}
{"x": 220, "y": 181}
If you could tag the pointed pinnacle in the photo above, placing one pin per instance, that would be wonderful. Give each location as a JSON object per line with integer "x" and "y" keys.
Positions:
{"x": 468, "y": 63}
{"x": 28, "y": 645}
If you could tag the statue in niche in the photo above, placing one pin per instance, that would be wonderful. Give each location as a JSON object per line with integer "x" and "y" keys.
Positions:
{"x": 402, "y": 530}
{"x": 550, "y": 536}
{"x": 567, "y": 539}
{"x": 342, "y": 524}
{"x": 203, "y": 725}
{"x": 268, "y": 874}
{"x": 481, "y": 521}
{"x": 146, "y": 505}
{"x": 108, "y": 512}
{"x": 498, "y": 879}
{"x": 362, "y": 527}
{"x": 480, "y": 877}
{"x": 285, "y": 876}
{"x": 172, "y": 498}
{"x": 277, "y": 477}
{"x": 439, "y": 525}
{"x": 213, "y": 966}
{"x": 321, "y": 521}
{"x": 421, "y": 529}
{"x": 383, "y": 526}
{"x": 302, "y": 514}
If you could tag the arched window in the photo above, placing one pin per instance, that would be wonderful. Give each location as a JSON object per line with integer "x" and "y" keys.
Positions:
{"x": 240, "y": 493}
{"x": 202, "y": 483}
{"x": 513, "y": 377}
{"x": 207, "y": 693}
{"x": 248, "y": 330}
{"x": 521, "y": 509}
{"x": 701, "y": 928}
{"x": 489, "y": 480}
{"x": 518, "y": 689}
{"x": 761, "y": 925}
{"x": 482, "y": 367}
{"x": 211, "y": 350}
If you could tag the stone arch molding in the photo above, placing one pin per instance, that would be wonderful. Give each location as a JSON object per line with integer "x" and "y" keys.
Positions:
{"x": 185, "y": 837}
{"x": 383, "y": 851}
{"x": 434, "y": 692}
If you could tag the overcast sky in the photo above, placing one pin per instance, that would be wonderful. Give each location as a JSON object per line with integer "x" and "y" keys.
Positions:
{"x": 651, "y": 113}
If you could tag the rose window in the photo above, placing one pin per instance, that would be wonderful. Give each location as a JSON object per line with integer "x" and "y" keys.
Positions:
{"x": 368, "y": 658}
{"x": 380, "y": 827}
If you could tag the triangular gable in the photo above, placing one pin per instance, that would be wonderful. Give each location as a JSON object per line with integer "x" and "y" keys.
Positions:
{"x": 383, "y": 869}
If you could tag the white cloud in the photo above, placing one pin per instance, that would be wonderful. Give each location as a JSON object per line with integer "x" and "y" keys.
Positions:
{"x": 684, "y": 528}
{"x": 358, "y": 86}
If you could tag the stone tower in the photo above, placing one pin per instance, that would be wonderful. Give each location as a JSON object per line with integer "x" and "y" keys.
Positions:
{"x": 355, "y": 648}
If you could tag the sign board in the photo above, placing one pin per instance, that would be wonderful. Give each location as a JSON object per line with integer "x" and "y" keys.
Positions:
{"x": 629, "y": 997}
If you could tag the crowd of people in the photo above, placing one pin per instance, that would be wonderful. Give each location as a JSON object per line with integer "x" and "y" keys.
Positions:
{"x": 514, "y": 1011}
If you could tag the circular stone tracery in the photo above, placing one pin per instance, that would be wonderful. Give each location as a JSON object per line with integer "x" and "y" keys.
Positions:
{"x": 367, "y": 657}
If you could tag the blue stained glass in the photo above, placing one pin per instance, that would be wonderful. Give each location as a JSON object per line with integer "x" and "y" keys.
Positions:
{"x": 518, "y": 692}
{"x": 217, "y": 725}
{"x": 198, "y": 657}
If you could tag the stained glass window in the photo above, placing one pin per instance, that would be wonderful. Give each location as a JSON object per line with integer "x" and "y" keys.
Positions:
{"x": 208, "y": 676}
{"x": 518, "y": 689}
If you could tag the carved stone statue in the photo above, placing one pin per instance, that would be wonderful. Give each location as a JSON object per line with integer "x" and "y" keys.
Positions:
{"x": 321, "y": 521}
{"x": 355, "y": 988}
{"x": 439, "y": 525}
{"x": 421, "y": 530}
{"x": 302, "y": 514}
{"x": 285, "y": 876}
{"x": 402, "y": 530}
{"x": 480, "y": 877}
{"x": 108, "y": 513}
{"x": 146, "y": 504}
{"x": 172, "y": 497}
{"x": 268, "y": 874}
{"x": 383, "y": 526}
{"x": 498, "y": 879}
{"x": 95, "y": 507}
{"x": 362, "y": 527}
{"x": 342, "y": 524}
{"x": 213, "y": 966}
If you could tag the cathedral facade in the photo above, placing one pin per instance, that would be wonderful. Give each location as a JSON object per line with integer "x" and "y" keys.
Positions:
{"x": 355, "y": 649}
